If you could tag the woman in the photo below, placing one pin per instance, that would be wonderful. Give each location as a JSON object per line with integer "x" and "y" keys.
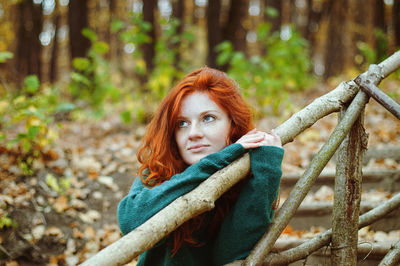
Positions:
{"x": 202, "y": 126}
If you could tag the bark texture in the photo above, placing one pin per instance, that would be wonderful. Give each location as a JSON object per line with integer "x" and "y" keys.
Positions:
{"x": 346, "y": 207}
{"x": 77, "y": 21}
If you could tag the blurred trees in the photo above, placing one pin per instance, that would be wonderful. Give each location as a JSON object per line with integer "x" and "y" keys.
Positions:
{"x": 48, "y": 33}
{"x": 77, "y": 21}
{"x": 28, "y": 45}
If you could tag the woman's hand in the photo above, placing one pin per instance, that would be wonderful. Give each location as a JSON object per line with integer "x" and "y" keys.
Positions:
{"x": 255, "y": 138}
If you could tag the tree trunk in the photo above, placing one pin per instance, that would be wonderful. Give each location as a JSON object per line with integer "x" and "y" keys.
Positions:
{"x": 54, "y": 49}
{"x": 178, "y": 12}
{"x": 77, "y": 21}
{"x": 149, "y": 7}
{"x": 276, "y": 22}
{"x": 346, "y": 207}
{"x": 213, "y": 31}
{"x": 28, "y": 58}
{"x": 380, "y": 25}
{"x": 396, "y": 22}
{"x": 234, "y": 31}
{"x": 363, "y": 25}
{"x": 335, "y": 48}
{"x": 316, "y": 11}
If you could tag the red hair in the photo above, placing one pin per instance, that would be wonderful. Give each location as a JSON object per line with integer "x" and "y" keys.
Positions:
{"x": 159, "y": 154}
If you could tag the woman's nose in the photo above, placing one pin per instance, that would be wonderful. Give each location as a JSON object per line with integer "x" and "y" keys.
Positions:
{"x": 195, "y": 132}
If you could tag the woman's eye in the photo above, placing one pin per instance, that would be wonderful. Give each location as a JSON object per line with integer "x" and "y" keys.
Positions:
{"x": 209, "y": 118}
{"x": 182, "y": 123}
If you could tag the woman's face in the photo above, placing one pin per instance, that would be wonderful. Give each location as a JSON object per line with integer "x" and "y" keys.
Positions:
{"x": 202, "y": 127}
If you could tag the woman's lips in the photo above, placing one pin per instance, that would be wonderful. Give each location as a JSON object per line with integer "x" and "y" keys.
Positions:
{"x": 197, "y": 148}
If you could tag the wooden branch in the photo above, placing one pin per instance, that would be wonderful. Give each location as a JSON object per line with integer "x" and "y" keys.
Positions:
{"x": 347, "y": 197}
{"x": 304, "y": 184}
{"x": 145, "y": 236}
{"x": 392, "y": 258}
{"x": 323, "y": 239}
{"x": 333, "y": 101}
{"x": 328, "y": 176}
{"x": 326, "y": 207}
{"x": 379, "y": 96}
{"x": 363, "y": 248}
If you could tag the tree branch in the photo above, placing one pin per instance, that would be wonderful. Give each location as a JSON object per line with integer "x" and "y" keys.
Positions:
{"x": 379, "y": 96}
{"x": 392, "y": 258}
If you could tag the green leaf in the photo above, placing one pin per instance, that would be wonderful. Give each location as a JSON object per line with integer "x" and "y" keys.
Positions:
{"x": 80, "y": 78}
{"x": 51, "y": 181}
{"x": 117, "y": 25}
{"x": 126, "y": 116}
{"x": 33, "y": 131}
{"x": 81, "y": 63}
{"x": 5, "y": 222}
{"x": 271, "y": 12}
{"x": 88, "y": 33}
{"x": 31, "y": 83}
{"x": 100, "y": 47}
{"x": 26, "y": 145}
{"x": 65, "y": 107}
{"x": 65, "y": 183}
{"x": 5, "y": 55}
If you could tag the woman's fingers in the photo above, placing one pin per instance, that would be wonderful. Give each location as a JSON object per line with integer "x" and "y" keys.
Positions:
{"x": 255, "y": 138}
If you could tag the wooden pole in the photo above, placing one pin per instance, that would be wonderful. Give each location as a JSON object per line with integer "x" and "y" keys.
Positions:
{"x": 298, "y": 193}
{"x": 347, "y": 197}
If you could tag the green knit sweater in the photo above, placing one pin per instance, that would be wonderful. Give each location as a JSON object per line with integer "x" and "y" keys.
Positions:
{"x": 242, "y": 227}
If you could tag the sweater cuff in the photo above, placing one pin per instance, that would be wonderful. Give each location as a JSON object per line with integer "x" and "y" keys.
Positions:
{"x": 235, "y": 149}
{"x": 270, "y": 154}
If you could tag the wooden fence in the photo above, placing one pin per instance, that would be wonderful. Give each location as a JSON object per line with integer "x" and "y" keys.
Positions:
{"x": 349, "y": 98}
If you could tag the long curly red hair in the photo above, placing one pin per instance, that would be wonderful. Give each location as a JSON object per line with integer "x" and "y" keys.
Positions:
{"x": 159, "y": 155}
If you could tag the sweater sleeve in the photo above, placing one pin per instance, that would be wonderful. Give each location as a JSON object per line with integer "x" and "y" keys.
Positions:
{"x": 252, "y": 213}
{"x": 142, "y": 202}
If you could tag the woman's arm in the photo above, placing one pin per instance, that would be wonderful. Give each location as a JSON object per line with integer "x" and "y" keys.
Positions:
{"x": 252, "y": 213}
{"x": 142, "y": 202}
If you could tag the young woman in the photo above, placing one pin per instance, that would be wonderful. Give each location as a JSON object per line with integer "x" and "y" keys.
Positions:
{"x": 202, "y": 126}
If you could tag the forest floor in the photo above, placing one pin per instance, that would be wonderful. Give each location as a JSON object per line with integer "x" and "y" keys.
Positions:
{"x": 66, "y": 211}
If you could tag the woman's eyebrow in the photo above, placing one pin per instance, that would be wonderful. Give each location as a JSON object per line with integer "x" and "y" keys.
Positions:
{"x": 209, "y": 111}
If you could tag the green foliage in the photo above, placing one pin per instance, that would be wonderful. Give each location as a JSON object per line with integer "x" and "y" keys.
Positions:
{"x": 374, "y": 55}
{"x": 166, "y": 69}
{"x": 5, "y": 55}
{"x": 266, "y": 80}
{"x": 90, "y": 80}
{"x": 32, "y": 84}
{"x": 26, "y": 118}
{"x": 58, "y": 186}
{"x": 6, "y": 221}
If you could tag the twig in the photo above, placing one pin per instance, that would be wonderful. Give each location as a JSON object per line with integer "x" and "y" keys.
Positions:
{"x": 5, "y": 251}
{"x": 392, "y": 257}
{"x": 373, "y": 91}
